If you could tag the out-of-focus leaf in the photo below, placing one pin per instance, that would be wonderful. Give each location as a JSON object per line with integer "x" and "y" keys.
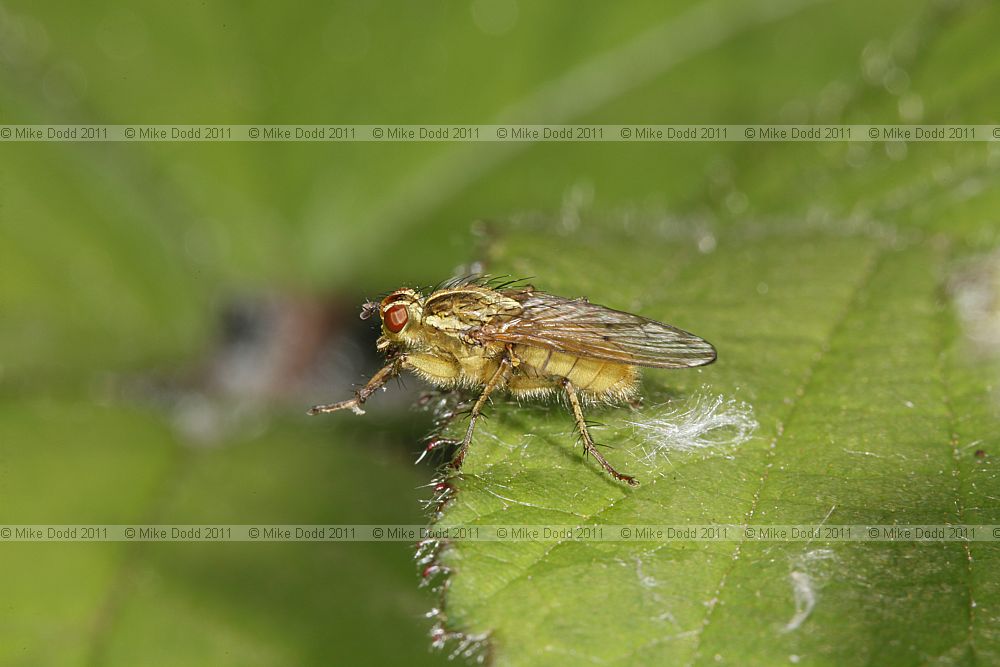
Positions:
{"x": 224, "y": 603}
{"x": 184, "y": 223}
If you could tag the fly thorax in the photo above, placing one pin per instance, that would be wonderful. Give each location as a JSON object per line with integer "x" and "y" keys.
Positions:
{"x": 450, "y": 324}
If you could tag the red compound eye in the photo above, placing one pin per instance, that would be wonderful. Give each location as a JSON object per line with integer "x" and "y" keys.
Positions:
{"x": 395, "y": 318}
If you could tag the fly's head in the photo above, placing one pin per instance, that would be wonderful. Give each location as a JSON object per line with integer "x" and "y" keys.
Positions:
{"x": 402, "y": 318}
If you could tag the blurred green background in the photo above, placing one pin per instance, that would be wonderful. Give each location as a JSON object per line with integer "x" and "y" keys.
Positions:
{"x": 168, "y": 310}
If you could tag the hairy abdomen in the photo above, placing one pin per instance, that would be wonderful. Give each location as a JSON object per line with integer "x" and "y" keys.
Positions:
{"x": 540, "y": 370}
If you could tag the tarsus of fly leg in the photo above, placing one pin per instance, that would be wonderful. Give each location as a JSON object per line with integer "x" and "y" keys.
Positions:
{"x": 588, "y": 442}
{"x": 451, "y": 406}
{"x": 494, "y": 382}
{"x": 390, "y": 371}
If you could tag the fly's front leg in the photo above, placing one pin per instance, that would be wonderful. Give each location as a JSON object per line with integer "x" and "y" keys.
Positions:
{"x": 588, "y": 442}
{"x": 507, "y": 360}
{"x": 390, "y": 371}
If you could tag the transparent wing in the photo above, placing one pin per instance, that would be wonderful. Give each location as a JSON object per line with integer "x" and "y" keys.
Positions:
{"x": 584, "y": 329}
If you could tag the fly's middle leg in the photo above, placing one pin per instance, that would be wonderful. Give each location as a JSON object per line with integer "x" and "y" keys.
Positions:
{"x": 502, "y": 373}
{"x": 588, "y": 442}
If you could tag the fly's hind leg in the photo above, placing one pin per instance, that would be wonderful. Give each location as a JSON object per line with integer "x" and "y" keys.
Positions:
{"x": 588, "y": 442}
{"x": 506, "y": 363}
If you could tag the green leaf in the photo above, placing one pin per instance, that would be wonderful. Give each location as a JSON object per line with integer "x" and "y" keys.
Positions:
{"x": 851, "y": 362}
{"x": 176, "y": 603}
{"x": 118, "y": 257}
